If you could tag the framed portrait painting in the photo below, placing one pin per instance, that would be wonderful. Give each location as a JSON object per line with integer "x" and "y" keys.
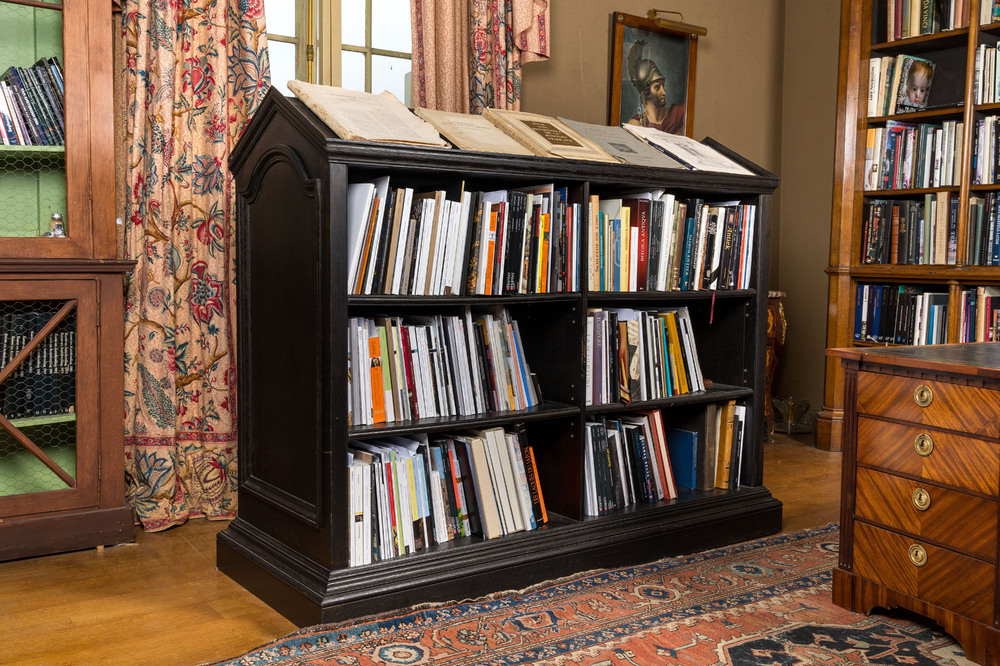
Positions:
{"x": 652, "y": 75}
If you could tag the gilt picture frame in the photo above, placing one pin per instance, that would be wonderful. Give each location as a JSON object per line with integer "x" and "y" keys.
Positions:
{"x": 652, "y": 75}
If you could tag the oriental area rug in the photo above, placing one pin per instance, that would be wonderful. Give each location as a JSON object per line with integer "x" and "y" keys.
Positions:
{"x": 760, "y": 602}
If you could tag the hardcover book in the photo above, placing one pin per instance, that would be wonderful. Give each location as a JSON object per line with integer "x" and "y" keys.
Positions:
{"x": 914, "y": 76}
{"x": 470, "y": 131}
{"x": 361, "y": 116}
{"x": 546, "y": 136}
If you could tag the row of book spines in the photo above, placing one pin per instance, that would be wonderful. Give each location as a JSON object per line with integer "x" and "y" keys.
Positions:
{"x": 985, "y": 152}
{"x": 409, "y": 494}
{"x": 980, "y": 315}
{"x": 903, "y": 156}
{"x": 638, "y": 458}
{"x": 914, "y": 18}
{"x": 482, "y": 243}
{"x": 911, "y": 231}
{"x": 636, "y": 355}
{"x": 900, "y": 314}
{"x": 32, "y": 105}
{"x": 437, "y": 366}
{"x": 669, "y": 244}
{"x": 44, "y": 383}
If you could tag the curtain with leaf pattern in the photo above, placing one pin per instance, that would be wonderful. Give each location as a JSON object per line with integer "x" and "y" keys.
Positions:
{"x": 194, "y": 72}
{"x": 479, "y": 66}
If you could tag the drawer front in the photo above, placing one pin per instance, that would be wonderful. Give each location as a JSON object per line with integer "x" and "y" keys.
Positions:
{"x": 957, "y": 520}
{"x": 955, "y": 582}
{"x": 963, "y": 408}
{"x": 943, "y": 457}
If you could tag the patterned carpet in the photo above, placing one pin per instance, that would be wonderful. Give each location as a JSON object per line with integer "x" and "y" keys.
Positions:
{"x": 761, "y": 602}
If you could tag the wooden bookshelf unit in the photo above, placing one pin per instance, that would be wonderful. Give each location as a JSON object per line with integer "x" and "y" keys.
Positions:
{"x": 954, "y": 48}
{"x": 289, "y": 545}
{"x": 62, "y": 458}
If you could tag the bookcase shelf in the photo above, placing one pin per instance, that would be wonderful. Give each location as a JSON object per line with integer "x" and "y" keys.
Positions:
{"x": 864, "y": 36}
{"x": 289, "y": 544}
{"x": 62, "y": 480}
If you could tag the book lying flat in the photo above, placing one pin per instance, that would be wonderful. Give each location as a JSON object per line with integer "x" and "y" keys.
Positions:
{"x": 361, "y": 116}
{"x": 690, "y": 153}
{"x": 546, "y": 136}
{"x": 627, "y": 148}
{"x": 470, "y": 131}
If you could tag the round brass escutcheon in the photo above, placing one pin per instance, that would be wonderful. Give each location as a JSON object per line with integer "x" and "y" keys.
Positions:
{"x": 918, "y": 555}
{"x": 921, "y": 499}
{"x": 923, "y": 444}
{"x": 923, "y": 395}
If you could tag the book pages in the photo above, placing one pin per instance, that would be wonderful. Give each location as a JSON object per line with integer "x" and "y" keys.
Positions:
{"x": 620, "y": 144}
{"x": 687, "y": 151}
{"x": 546, "y": 136}
{"x": 361, "y": 116}
{"x": 470, "y": 131}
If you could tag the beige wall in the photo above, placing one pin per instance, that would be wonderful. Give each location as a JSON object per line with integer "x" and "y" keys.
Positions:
{"x": 765, "y": 87}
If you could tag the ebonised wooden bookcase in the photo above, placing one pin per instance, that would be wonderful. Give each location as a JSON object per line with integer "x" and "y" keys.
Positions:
{"x": 289, "y": 543}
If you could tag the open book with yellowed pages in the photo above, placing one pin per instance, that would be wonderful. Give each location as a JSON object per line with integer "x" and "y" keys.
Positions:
{"x": 546, "y": 136}
{"x": 361, "y": 116}
{"x": 470, "y": 131}
{"x": 692, "y": 154}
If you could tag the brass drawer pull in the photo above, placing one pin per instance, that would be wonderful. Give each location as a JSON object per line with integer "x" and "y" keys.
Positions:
{"x": 921, "y": 499}
{"x": 918, "y": 555}
{"x": 923, "y": 444}
{"x": 923, "y": 395}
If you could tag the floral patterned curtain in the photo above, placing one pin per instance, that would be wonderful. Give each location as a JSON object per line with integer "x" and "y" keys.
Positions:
{"x": 194, "y": 72}
{"x": 478, "y": 65}
{"x": 505, "y": 34}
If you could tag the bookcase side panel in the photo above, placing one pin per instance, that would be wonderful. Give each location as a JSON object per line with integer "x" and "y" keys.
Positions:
{"x": 283, "y": 277}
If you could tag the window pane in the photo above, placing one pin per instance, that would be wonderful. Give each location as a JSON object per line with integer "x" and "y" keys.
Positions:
{"x": 352, "y": 22}
{"x": 391, "y": 25}
{"x": 352, "y": 75}
{"x": 282, "y": 56}
{"x": 391, "y": 74}
{"x": 279, "y": 16}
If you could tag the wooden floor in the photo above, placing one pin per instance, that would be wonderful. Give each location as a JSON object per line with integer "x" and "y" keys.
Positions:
{"x": 160, "y": 601}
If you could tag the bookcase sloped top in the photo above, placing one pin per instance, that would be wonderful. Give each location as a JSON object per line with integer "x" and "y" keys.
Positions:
{"x": 454, "y": 164}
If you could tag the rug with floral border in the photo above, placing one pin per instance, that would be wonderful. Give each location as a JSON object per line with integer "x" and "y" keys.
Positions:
{"x": 760, "y": 602}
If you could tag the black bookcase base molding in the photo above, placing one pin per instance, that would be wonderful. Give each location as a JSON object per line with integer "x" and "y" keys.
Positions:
{"x": 307, "y": 593}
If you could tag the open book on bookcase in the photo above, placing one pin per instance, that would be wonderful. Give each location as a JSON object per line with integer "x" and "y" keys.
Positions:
{"x": 433, "y": 328}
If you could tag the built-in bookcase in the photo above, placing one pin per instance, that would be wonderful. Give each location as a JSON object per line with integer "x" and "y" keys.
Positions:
{"x": 915, "y": 193}
{"x": 61, "y": 448}
{"x": 290, "y": 544}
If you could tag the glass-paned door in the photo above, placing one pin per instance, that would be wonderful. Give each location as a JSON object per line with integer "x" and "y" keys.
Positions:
{"x": 32, "y": 120}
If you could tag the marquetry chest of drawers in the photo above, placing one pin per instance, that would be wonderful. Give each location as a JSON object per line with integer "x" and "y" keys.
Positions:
{"x": 921, "y": 481}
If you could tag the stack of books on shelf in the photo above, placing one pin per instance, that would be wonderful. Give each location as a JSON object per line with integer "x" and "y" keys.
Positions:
{"x": 636, "y": 355}
{"x": 44, "y": 383}
{"x": 403, "y": 368}
{"x": 983, "y": 235}
{"x": 979, "y": 320}
{"x": 911, "y": 231}
{"x": 639, "y": 458}
{"x": 911, "y": 156}
{"x": 912, "y": 18}
{"x": 989, "y": 11}
{"x": 406, "y": 242}
{"x": 32, "y": 105}
{"x": 900, "y": 314}
{"x": 410, "y": 492}
{"x": 653, "y": 241}
{"x": 985, "y": 156}
{"x": 898, "y": 84}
